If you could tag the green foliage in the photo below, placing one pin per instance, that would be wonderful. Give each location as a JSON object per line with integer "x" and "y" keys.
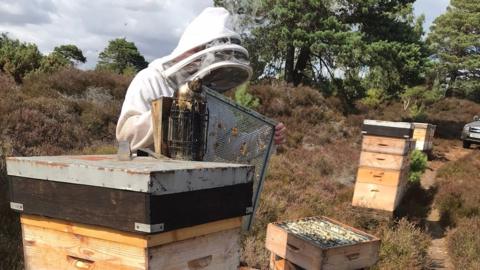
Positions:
{"x": 464, "y": 244}
{"x": 53, "y": 62}
{"x": 246, "y": 99}
{"x": 18, "y": 58}
{"x": 418, "y": 165}
{"x": 416, "y": 99}
{"x": 417, "y": 113}
{"x": 120, "y": 56}
{"x": 374, "y": 97}
{"x": 343, "y": 47}
{"x": 455, "y": 40}
{"x": 71, "y": 53}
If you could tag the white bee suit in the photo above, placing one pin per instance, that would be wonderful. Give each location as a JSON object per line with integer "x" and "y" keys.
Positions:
{"x": 135, "y": 123}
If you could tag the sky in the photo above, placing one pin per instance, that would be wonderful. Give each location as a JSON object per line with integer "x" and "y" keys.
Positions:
{"x": 431, "y": 9}
{"x": 154, "y": 25}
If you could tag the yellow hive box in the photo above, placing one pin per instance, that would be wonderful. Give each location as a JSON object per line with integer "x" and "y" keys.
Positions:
{"x": 54, "y": 244}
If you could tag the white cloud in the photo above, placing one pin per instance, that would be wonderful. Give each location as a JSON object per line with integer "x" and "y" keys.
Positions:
{"x": 154, "y": 25}
{"x": 431, "y": 9}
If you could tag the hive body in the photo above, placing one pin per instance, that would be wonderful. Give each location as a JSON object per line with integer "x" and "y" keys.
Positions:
{"x": 320, "y": 243}
{"x": 384, "y": 165}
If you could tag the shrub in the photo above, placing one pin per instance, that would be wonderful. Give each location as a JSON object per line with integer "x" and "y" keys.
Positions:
{"x": 450, "y": 115}
{"x": 246, "y": 99}
{"x": 374, "y": 97}
{"x": 18, "y": 58}
{"x": 51, "y": 114}
{"x": 458, "y": 183}
{"x": 417, "y": 113}
{"x": 418, "y": 165}
{"x": 416, "y": 99}
{"x": 464, "y": 244}
{"x": 404, "y": 247}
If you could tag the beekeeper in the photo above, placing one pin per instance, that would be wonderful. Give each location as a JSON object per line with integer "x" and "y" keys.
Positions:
{"x": 207, "y": 46}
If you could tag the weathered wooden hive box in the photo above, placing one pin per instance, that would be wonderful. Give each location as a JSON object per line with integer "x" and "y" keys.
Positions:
{"x": 51, "y": 244}
{"x": 95, "y": 212}
{"x": 144, "y": 195}
{"x": 384, "y": 164}
{"x": 423, "y": 135}
{"x": 320, "y": 243}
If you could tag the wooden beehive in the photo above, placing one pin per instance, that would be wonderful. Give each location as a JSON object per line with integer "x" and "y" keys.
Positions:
{"x": 320, "y": 243}
{"x": 54, "y": 244}
{"x": 144, "y": 195}
{"x": 384, "y": 165}
{"x": 423, "y": 135}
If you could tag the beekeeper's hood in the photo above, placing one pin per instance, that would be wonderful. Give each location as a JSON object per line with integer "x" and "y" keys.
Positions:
{"x": 208, "y": 49}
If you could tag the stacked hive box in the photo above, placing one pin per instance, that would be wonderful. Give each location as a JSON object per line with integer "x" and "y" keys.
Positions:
{"x": 319, "y": 243}
{"x": 423, "y": 136}
{"x": 384, "y": 164}
{"x": 95, "y": 212}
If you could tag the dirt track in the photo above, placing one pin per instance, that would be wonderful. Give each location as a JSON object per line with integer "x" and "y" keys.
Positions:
{"x": 448, "y": 151}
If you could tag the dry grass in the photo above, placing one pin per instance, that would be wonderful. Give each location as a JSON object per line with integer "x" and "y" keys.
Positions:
{"x": 314, "y": 174}
{"x": 450, "y": 115}
{"x": 75, "y": 112}
{"x": 70, "y": 111}
{"x": 458, "y": 194}
{"x": 403, "y": 247}
{"x": 464, "y": 244}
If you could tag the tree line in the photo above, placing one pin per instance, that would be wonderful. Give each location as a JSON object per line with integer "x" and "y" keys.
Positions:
{"x": 363, "y": 49}
{"x": 18, "y": 59}
{"x": 368, "y": 50}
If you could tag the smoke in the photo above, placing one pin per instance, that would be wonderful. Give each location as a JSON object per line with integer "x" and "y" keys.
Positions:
{"x": 245, "y": 15}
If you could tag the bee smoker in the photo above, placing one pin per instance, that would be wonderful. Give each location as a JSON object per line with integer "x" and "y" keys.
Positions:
{"x": 188, "y": 123}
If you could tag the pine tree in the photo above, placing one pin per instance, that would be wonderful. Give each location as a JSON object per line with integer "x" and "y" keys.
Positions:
{"x": 120, "y": 56}
{"x": 455, "y": 39}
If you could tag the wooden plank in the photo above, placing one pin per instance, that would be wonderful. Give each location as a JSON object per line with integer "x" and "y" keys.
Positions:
{"x": 376, "y": 196}
{"x": 120, "y": 209}
{"x": 293, "y": 248}
{"x": 85, "y": 230}
{"x": 421, "y": 145}
{"x": 107, "y": 207}
{"x": 218, "y": 251}
{"x": 386, "y": 145}
{"x": 187, "y": 209}
{"x": 130, "y": 239}
{"x": 387, "y": 129}
{"x": 352, "y": 257}
{"x": 46, "y": 249}
{"x": 381, "y": 176}
{"x": 420, "y": 134}
{"x": 157, "y": 125}
{"x": 306, "y": 254}
{"x": 279, "y": 263}
{"x": 384, "y": 161}
{"x": 160, "y": 112}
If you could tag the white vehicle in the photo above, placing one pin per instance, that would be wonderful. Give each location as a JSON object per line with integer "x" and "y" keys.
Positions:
{"x": 471, "y": 133}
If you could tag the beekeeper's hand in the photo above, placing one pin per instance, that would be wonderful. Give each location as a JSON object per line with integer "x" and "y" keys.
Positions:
{"x": 280, "y": 131}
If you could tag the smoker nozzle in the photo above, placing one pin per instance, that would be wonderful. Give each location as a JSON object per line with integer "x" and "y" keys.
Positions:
{"x": 195, "y": 85}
